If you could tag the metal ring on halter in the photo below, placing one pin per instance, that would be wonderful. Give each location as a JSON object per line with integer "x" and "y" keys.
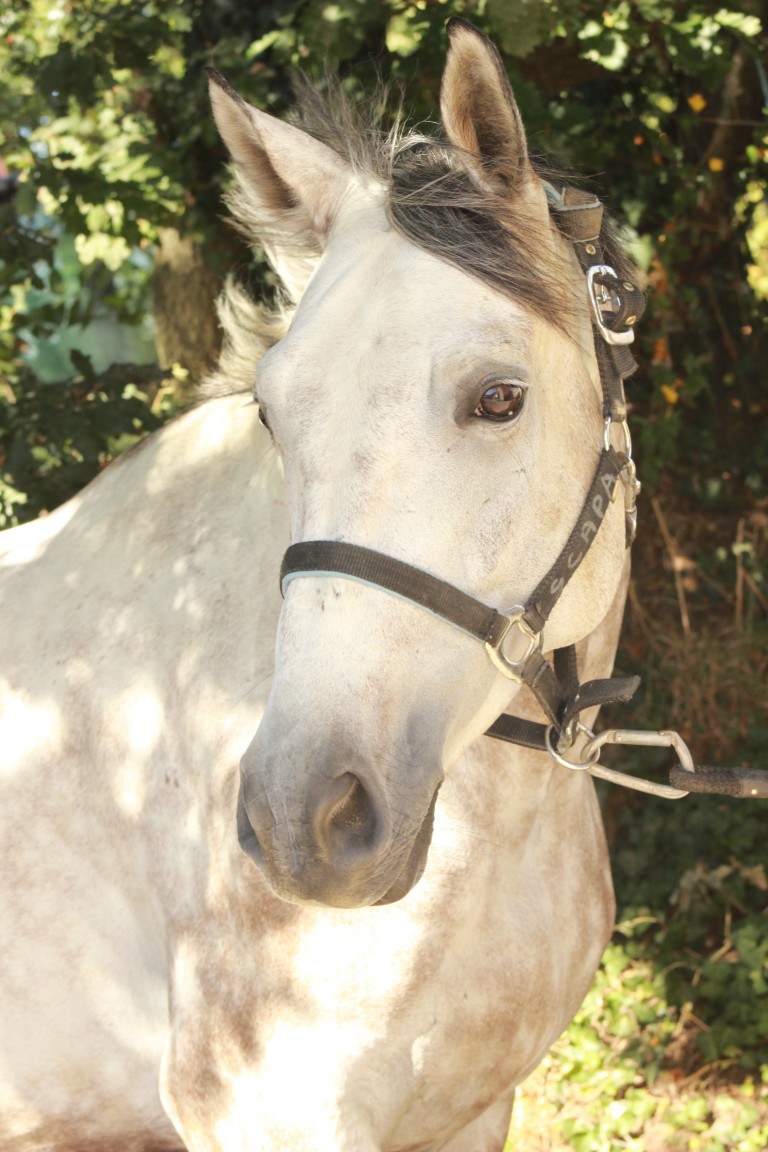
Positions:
{"x": 627, "y": 451}
{"x": 580, "y": 767}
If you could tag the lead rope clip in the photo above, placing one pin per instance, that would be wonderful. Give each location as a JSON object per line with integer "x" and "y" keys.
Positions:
{"x": 581, "y": 741}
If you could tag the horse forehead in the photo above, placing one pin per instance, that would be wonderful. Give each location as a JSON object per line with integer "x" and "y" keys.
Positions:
{"x": 376, "y": 291}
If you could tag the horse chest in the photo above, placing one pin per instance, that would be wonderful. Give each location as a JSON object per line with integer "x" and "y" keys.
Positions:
{"x": 405, "y": 1021}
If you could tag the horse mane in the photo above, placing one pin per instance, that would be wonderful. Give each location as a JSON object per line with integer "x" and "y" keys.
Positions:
{"x": 431, "y": 200}
{"x": 249, "y": 329}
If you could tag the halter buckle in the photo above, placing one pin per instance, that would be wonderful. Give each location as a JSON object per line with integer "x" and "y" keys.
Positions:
{"x": 604, "y": 301}
{"x": 508, "y": 664}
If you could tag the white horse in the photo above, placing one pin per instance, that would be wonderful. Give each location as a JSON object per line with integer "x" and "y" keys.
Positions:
{"x": 383, "y": 964}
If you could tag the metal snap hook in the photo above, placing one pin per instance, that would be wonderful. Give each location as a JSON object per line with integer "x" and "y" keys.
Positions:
{"x": 591, "y": 750}
{"x": 624, "y": 736}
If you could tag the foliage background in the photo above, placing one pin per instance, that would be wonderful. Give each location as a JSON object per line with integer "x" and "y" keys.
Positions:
{"x": 111, "y": 255}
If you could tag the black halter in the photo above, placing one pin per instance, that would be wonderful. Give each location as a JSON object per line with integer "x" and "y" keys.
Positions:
{"x": 513, "y": 640}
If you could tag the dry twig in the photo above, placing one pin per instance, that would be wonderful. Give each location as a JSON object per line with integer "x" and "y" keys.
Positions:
{"x": 678, "y": 563}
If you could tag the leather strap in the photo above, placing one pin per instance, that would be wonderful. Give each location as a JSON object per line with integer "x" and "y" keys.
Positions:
{"x": 591, "y": 694}
{"x": 596, "y": 693}
{"x": 567, "y": 669}
{"x": 547, "y": 592}
{"x": 516, "y": 730}
{"x": 578, "y": 215}
{"x": 329, "y": 557}
{"x": 336, "y": 558}
{"x": 558, "y": 691}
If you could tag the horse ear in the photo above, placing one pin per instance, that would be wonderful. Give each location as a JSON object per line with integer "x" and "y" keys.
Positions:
{"x": 288, "y": 171}
{"x": 479, "y": 112}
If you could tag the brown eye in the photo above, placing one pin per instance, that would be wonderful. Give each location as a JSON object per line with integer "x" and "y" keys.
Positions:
{"x": 502, "y": 401}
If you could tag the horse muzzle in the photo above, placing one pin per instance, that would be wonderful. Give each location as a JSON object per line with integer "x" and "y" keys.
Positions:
{"x": 339, "y": 842}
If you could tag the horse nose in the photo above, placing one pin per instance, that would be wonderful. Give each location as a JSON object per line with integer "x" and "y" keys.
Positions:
{"x": 341, "y": 832}
{"x": 345, "y": 822}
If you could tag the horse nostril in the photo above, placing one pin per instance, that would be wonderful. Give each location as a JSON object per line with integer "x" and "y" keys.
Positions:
{"x": 346, "y": 822}
{"x": 246, "y": 836}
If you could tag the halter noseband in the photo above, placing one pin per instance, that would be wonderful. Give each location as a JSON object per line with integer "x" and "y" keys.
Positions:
{"x": 513, "y": 640}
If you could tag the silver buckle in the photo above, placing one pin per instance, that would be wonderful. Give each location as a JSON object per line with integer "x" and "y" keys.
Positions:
{"x": 511, "y": 667}
{"x": 602, "y": 301}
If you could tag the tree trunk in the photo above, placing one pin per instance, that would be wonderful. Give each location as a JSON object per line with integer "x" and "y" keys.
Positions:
{"x": 184, "y": 291}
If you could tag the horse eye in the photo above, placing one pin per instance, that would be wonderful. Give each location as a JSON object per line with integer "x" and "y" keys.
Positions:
{"x": 502, "y": 401}
{"x": 263, "y": 418}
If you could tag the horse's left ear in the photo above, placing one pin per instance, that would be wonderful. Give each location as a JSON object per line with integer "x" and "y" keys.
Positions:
{"x": 479, "y": 112}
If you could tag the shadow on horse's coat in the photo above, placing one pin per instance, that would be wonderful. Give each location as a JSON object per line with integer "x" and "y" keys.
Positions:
{"x": 420, "y": 911}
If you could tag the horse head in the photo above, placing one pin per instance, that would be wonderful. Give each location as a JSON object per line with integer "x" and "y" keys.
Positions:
{"x": 436, "y": 398}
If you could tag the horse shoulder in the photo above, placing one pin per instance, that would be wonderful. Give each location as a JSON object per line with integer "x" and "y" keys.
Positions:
{"x": 106, "y": 605}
